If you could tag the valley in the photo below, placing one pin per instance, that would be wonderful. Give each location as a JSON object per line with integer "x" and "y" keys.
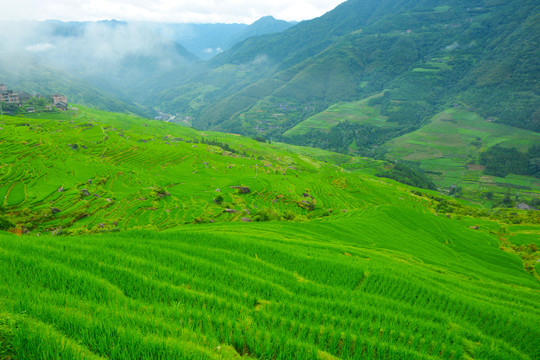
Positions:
{"x": 361, "y": 185}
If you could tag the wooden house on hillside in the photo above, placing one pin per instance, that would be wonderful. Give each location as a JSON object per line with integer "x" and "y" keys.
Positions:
{"x": 23, "y": 96}
{"x": 4, "y": 95}
{"x": 13, "y": 98}
{"x": 61, "y": 105}
{"x": 58, "y": 98}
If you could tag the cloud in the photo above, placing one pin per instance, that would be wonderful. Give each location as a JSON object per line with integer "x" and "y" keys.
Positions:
{"x": 211, "y": 50}
{"x": 40, "y": 47}
{"x": 260, "y": 59}
{"x": 175, "y": 11}
{"x": 452, "y": 46}
{"x": 87, "y": 49}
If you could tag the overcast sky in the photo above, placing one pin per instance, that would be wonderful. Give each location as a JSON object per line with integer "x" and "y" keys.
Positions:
{"x": 175, "y": 11}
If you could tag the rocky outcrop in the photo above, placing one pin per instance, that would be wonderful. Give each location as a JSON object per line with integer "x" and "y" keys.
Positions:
{"x": 242, "y": 189}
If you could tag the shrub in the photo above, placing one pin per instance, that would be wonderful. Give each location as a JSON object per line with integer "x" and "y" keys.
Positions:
{"x": 5, "y": 224}
{"x": 289, "y": 215}
{"x": 409, "y": 176}
{"x": 218, "y": 200}
{"x": 267, "y": 215}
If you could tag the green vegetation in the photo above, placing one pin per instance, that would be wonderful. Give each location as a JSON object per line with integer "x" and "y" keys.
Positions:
{"x": 272, "y": 251}
{"x": 501, "y": 161}
{"x": 354, "y": 112}
{"x": 425, "y": 59}
{"x": 409, "y": 176}
{"x": 215, "y": 291}
{"x": 128, "y": 238}
{"x": 151, "y": 174}
{"x": 456, "y": 144}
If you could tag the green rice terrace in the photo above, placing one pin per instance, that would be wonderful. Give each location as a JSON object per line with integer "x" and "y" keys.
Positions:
{"x": 128, "y": 238}
{"x": 449, "y": 145}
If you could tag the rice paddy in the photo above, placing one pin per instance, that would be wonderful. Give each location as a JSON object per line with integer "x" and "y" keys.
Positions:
{"x": 158, "y": 252}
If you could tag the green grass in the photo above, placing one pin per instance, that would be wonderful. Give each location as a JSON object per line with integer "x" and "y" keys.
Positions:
{"x": 358, "y": 286}
{"x": 355, "y": 112}
{"x": 451, "y": 143}
{"x": 127, "y": 159}
{"x": 342, "y": 264}
{"x": 431, "y": 66}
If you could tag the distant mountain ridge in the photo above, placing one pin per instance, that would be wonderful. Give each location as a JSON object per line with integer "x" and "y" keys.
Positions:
{"x": 429, "y": 54}
{"x": 424, "y": 56}
{"x": 209, "y": 40}
{"x": 128, "y": 63}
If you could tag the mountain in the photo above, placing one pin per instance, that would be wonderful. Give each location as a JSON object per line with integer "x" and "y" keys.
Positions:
{"x": 428, "y": 55}
{"x": 108, "y": 61}
{"x": 209, "y": 40}
{"x": 352, "y": 81}
{"x": 369, "y": 72}
{"x": 129, "y": 238}
{"x": 36, "y": 78}
{"x": 263, "y": 26}
{"x": 180, "y": 244}
{"x": 204, "y": 40}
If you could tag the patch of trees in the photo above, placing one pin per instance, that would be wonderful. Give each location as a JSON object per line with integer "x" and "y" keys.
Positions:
{"x": 500, "y": 161}
{"x": 10, "y": 109}
{"x": 343, "y": 135}
{"x": 5, "y": 224}
{"x": 222, "y": 145}
{"x": 409, "y": 176}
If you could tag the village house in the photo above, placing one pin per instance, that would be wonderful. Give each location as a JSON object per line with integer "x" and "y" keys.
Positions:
{"x": 58, "y": 98}
{"x": 4, "y": 95}
{"x": 24, "y": 96}
{"x": 61, "y": 105}
{"x": 13, "y": 98}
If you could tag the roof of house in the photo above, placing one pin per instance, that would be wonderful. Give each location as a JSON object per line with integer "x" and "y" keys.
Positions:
{"x": 524, "y": 206}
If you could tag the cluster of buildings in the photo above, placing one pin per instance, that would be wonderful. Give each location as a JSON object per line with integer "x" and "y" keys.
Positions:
{"x": 56, "y": 100}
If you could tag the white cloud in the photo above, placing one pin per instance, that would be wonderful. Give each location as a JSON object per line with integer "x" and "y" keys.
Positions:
{"x": 174, "y": 11}
{"x": 452, "y": 46}
{"x": 40, "y": 47}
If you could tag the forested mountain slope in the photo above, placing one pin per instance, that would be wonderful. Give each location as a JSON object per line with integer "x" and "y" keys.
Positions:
{"x": 428, "y": 55}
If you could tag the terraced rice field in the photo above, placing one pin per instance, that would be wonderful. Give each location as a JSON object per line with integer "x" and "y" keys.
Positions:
{"x": 453, "y": 140}
{"x": 355, "y": 112}
{"x": 334, "y": 264}
{"x": 356, "y": 287}
{"x": 97, "y": 170}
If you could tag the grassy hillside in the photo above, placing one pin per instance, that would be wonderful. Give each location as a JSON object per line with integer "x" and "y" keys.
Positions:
{"x": 139, "y": 174}
{"x": 357, "y": 287}
{"x": 449, "y": 146}
{"x": 36, "y": 78}
{"x": 176, "y": 260}
{"x": 358, "y": 112}
{"x": 427, "y": 55}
